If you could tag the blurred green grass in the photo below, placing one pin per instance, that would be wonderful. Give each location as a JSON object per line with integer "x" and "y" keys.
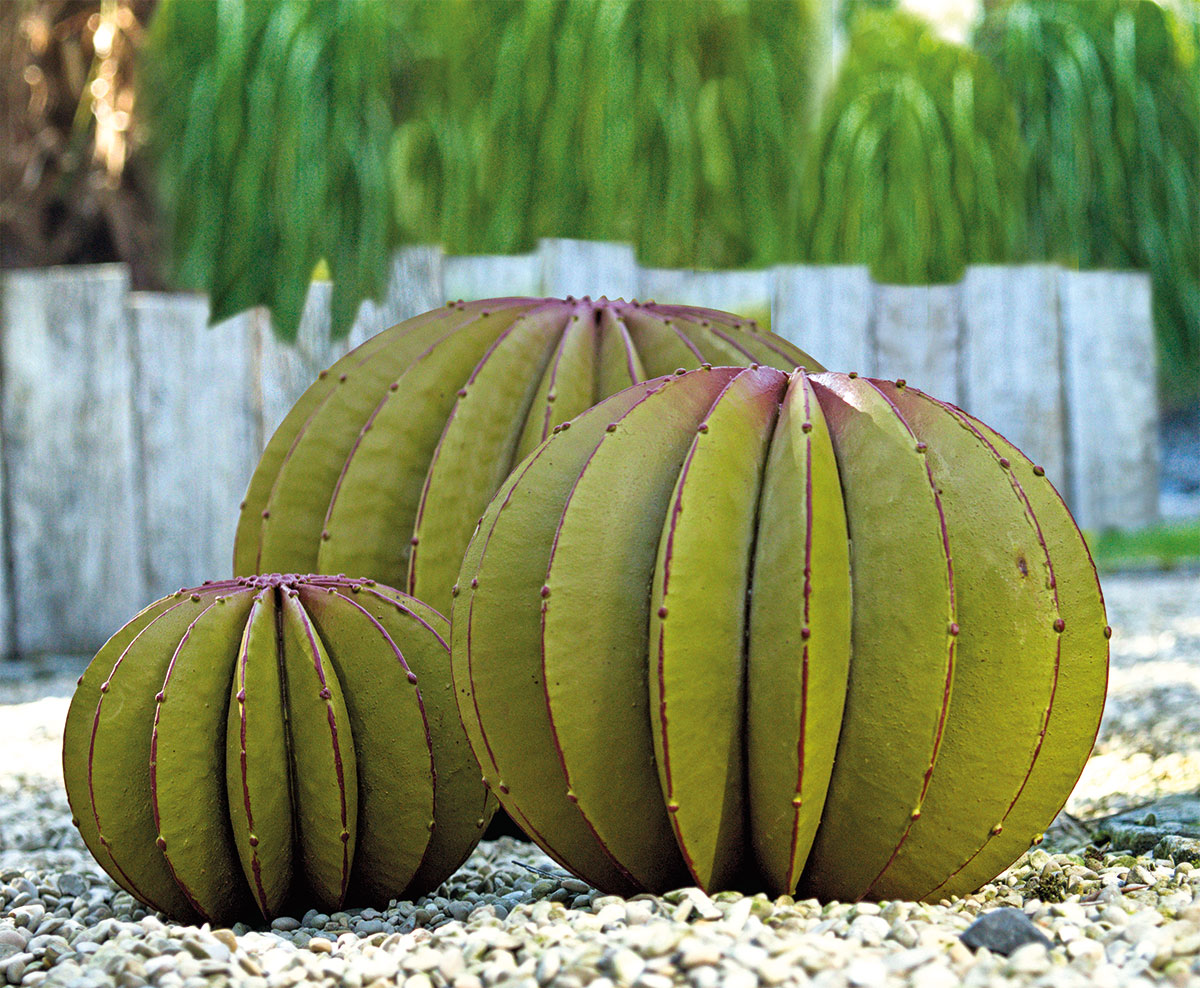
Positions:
{"x": 1165, "y": 545}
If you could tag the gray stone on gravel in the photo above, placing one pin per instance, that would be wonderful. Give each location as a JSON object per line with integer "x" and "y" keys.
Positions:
{"x": 1003, "y": 931}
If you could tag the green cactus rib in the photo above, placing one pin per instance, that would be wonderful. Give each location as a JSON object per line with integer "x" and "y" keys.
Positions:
{"x": 325, "y": 398}
{"x": 618, "y": 365}
{"x": 903, "y": 634}
{"x": 251, "y": 743}
{"x": 798, "y": 648}
{"x": 567, "y": 386}
{"x": 257, "y": 767}
{"x": 825, "y": 588}
{"x": 602, "y": 559}
{"x": 305, "y": 484}
{"x": 187, "y": 777}
{"x": 372, "y": 512}
{"x": 380, "y": 698}
{"x": 321, "y": 751}
{"x": 1072, "y": 716}
{"x": 1005, "y": 650}
{"x": 109, "y": 796}
{"x": 526, "y": 768}
{"x": 489, "y": 413}
{"x": 697, "y": 625}
{"x": 385, "y": 448}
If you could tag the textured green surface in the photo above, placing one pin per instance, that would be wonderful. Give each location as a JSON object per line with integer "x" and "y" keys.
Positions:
{"x": 506, "y": 685}
{"x": 600, "y": 567}
{"x": 257, "y": 764}
{"x": 1080, "y": 684}
{"x": 489, "y": 414}
{"x": 396, "y": 781}
{"x": 373, "y": 508}
{"x": 868, "y": 631}
{"x": 301, "y": 467}
{"x": 902, "y": 649}
{"x": 321, "y": 752}
{"x": 1005, "y": 656}
{"x": 697, "y": 621}
{"x": 256, "y": 744}
{"x": 433, "y": 414}
{"x": 110, "y": 797}
{"x": 798, "y": 652}
{"x": 188, "y": 767}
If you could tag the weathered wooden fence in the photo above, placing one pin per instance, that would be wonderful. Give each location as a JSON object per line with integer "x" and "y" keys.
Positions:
{"x": 128, "y": 429}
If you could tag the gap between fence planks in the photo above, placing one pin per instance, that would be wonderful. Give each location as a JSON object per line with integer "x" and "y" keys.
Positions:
{"x": 128, "y": 428}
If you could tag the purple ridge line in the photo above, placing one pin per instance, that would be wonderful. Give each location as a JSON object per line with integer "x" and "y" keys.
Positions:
{"x": 630, "y": 352}
{"x": 337, "y": 751}
{"x": 793, "y": 876}
{"x": 437, "y": 452}
{"x": 937, "y": 742}
{"x": 726, "y": 338}
{"x": 554, "y": 365}
{"x": 92, "y": 748}
{"x": 243, "y": 659}
{"x": 154, "y": 765}
{"x": 666, "y": 321}
{"x": 387, "y": 394}
{"x": 967, "y": 423}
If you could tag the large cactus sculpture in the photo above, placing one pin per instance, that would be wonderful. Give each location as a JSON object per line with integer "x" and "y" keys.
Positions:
{"x": 680, "y": 609}
{"x": 257, "y": 743}
{"x": 385, "y": 464}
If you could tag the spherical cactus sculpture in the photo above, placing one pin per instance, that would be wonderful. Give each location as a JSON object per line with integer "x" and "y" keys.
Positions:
{"x": 738, "y": 628}
{"x": 385, "y": 464}
{"x": 270, "y": 743}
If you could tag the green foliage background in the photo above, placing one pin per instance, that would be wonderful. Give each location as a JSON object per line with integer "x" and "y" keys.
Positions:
{"x": 674, "y": 126}
{"x": 288, "y": 133}
{"x": 293, "y": 133}
{"x": 1108, "y": 96}
{"x": 912, "y": 170}
{"x": 271, "y": 123}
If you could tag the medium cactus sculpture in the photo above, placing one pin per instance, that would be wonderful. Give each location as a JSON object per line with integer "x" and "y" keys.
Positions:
{"x": 739, "y": 628}
{"x": 257, "y": 743}
{"x": 385, "y": 464}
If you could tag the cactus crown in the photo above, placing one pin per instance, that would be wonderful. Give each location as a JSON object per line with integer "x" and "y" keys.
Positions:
{"x": 386, "y": 463}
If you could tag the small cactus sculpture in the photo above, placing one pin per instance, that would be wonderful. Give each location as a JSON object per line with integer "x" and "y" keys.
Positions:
{"x": 257, "y": 743}
{"x": 385, "y": 464}
{"x": 677, "y": 611}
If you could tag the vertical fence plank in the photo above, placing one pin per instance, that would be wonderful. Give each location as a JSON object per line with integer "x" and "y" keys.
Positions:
{"x": 1011, "y": 361}
{"x": 916, "y": 336}
{"x": 285, "y": 370}
{"x": 127, "y": 429}
{"x": 196, "y": 426}
{"x": 69, "y": 445}
{"x": 491, "y": 276}
{"x": 826, "y": 311}
{"x": 1112, "y": 399}
{"x": 414, "y": 286}
{"x": 747, "y": 293}
{"x": 587, "y": 267}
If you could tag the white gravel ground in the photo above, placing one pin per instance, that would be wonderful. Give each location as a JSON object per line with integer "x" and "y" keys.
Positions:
{"x": 510, "y": 917}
